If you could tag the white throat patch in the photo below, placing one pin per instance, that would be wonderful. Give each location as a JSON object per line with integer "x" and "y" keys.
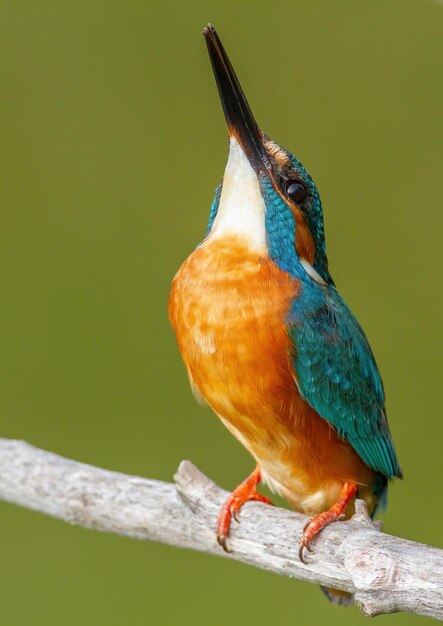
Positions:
{"x": 241, "y": 210}
{"x": 312, "y": 272}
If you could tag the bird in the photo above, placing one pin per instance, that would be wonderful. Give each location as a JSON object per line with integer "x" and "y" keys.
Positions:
{"x": 269, "y": 343}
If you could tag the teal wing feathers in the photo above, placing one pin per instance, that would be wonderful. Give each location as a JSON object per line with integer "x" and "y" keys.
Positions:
{"x": 337, "y": 375}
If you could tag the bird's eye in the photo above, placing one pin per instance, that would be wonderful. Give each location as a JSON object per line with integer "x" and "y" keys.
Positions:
{"x": 296, "y": 191}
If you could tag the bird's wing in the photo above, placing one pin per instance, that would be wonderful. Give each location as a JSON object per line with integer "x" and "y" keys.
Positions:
{"x": 337, "y": 375}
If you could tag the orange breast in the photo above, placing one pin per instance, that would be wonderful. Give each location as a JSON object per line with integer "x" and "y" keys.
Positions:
{"x": 228, "y": 308}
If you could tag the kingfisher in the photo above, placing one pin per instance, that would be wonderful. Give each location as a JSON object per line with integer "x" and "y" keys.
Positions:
{"x": 268, "y": 342}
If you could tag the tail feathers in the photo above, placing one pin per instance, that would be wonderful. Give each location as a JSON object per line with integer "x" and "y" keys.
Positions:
{"x": 380, "y": 490}
{"x": 336, "y": 596}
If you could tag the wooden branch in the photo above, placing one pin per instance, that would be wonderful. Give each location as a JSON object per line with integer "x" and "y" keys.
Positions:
{"x": 385, "y": 573}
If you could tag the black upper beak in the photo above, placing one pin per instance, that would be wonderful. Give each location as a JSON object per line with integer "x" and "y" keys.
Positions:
{"x": 239, "y": 118}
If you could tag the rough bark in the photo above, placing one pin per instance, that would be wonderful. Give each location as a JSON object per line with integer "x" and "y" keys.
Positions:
{"x": 385, "y": 573}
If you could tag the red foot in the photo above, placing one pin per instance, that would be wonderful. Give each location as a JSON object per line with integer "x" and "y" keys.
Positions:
{"x": 247, "y": 490}
{"x": 318, "y": 522}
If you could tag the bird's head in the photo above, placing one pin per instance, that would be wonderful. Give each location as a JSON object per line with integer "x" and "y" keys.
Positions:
{"x": 266, "y": 195}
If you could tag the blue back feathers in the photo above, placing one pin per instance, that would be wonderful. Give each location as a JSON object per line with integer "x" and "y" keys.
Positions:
{"x": 338, "y": 376}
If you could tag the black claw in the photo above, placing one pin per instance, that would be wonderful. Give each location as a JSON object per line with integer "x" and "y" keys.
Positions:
{"x": 235, "y": 516}
{"x": 221, "y": 540}
{"x": 304, "y": 546}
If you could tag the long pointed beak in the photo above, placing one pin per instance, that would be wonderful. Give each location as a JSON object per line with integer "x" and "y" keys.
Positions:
{"x": 239, "y": 118}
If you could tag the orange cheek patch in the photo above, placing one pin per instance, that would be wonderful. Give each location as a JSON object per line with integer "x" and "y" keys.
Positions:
{"x": 304, "y": 242}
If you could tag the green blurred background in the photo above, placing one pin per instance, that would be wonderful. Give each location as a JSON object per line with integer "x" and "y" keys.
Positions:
{"x": 112, "y": 142}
